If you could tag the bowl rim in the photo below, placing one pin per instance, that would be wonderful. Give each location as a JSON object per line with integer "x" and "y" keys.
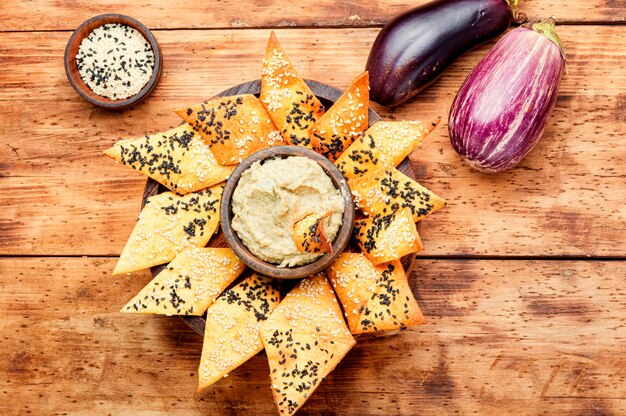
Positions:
{"x": 340, "y": 242}
{"x": 81, "y": 32}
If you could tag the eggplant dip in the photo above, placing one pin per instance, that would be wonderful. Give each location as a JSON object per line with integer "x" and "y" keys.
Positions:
{"x": 274, "y": 194}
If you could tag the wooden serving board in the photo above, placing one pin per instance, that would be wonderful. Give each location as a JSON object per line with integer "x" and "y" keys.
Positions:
{"x": 327, "y": 95}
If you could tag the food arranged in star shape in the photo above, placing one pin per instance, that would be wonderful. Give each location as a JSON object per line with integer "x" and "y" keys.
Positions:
{"x": 305, "y": 335}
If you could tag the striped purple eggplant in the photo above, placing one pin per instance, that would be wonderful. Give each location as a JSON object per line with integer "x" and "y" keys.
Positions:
{"x": 503, "y": 107}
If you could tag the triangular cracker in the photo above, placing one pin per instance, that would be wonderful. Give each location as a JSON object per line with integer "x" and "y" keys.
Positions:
{"x": 189, "y": 284}
{"x": 344, "y": 122}
{"x": 386, "y": 190}
{"x": 388, "y": 237}
{"x": 309, "y": 235}
{"x": 290, "y": 102}
{"x": 234, "y": 127}
{"x": 304, "y": 338}
{"x": 167, "y": 224}
{"x": 386, "y": 143}
{"x": 374, "y": 298}
{"x": 231, "y": 334}
{"x": 178, "y": 158}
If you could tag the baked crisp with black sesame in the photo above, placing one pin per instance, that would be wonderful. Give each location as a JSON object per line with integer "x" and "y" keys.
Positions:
{"x": 374, "y": 298}
{"x": 290, "y": 102}
{"x": 309, "y": 235}
{"x": 388, "y": 237}
{"x": 304, "y": 338}
{"x": 177, "y": 159}
{"x": 231, "y": 334}
{"x": 386, "y": 143}
{"x": 167, "y": 224}
{"x": 234, "y": 127}
{"x": 189, "y": 283}
{"x": 387, "y": 190}
{"x": 344, "y": 122}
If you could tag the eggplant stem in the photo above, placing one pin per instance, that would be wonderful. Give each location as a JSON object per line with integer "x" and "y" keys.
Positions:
{"x": 547, "y": 28}
{"x": 513, "y": 3}
{"x": 518, "y": 17}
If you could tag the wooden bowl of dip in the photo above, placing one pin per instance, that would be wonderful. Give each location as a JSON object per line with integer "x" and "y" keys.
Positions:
{"x": 340, "y": 241}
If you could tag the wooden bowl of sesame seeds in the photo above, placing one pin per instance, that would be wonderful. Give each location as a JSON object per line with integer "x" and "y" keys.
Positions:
{"x": 139, "y": 77}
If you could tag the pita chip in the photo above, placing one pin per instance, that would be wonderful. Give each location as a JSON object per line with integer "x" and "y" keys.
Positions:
{"x": 288, "y": 99}
{"x": 344, "y": 122}
{"x": 374, "y": 298}
{"x": 231, "y": 334}
{"x": 384, "y": 238}
{"x": 386, "y": 190}
{"x": 305, "y": 338}
{"x": 234, "y": 127}
{"x": 178, "y": 159}
{"x": 168, "y": 224}
{"x": 309, "y": 236}
{"x": 189, "y": 283}
{"x": 386, "y": 143}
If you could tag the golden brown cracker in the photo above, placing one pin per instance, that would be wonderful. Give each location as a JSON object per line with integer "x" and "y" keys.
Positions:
{"x": 384, "y": 238}
{"x": 289, "y": 101}
{"x": 178, "y": 159}
{"x": 234, "y": 127}
{"x": 386, "y": 190}
{"x": 344, "y": 122}
{"x": 231, "y": 333}
{"x": 374, "y": 298}
{"x": 309, "y": 236}
{"x": 189, "y": 283}
{"x": 305, "y": 338}
{"x": 386, "y": 143}
{"x": 167, "y": 224}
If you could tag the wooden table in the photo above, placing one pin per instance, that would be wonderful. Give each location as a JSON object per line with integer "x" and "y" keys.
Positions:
{"x": 522, "y": 280}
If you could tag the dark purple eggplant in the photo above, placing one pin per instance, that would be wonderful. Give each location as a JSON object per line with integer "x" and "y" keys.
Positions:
{"x": 415, "y": 47}
{"x": 502, "y": 109}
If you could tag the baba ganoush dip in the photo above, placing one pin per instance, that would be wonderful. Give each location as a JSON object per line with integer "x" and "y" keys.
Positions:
{"x": 271, "y": 196}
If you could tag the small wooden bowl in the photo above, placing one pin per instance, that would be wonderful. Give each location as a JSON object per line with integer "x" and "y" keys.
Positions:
{"x": 71, "y": 69}
{"x": 269, "y": 269}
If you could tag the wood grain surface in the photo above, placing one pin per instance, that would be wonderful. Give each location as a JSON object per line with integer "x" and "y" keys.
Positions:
{"x": 518, "y": 337}
{"x": 521, "y": 282}
{"x": 61, "y": 194}
{"x": 67, "y": 14}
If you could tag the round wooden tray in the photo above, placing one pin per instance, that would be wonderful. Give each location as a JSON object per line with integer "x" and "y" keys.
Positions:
{"x": 327, "y": 95}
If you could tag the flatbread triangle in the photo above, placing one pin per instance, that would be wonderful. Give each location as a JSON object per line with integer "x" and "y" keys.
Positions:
{"x": 383, "y": 238}
{"x": 309, "y": 235}
{"x": 290, "y": 102}
{"x": 231, "y": 334}
{"x": 386, "y": 190}
{"x": 386, "y": 143}
{"x": 304, "y": 338}
{"x": 177, "y": 158}
{"x": 189, "y": 283}
{"x": 167, "y": 224}
{"x": 344, "y": 122}
{"x": 374, "y": 298}
{"x": 234, "y": 127}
